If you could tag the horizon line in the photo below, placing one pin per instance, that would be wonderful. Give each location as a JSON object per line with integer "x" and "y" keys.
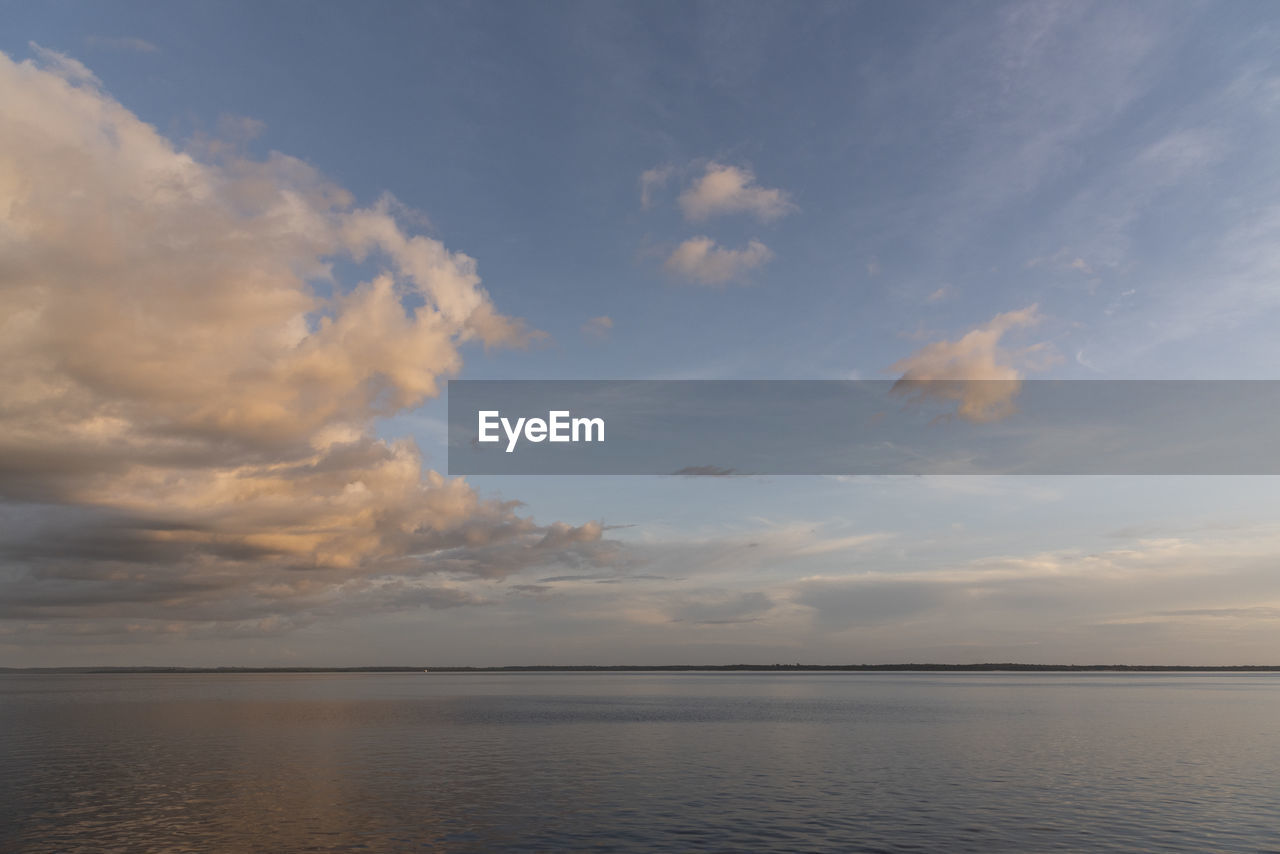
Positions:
{"x": 618, "y": 668}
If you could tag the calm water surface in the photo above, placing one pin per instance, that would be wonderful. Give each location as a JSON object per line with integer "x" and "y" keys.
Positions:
{"x": 639, "y": 762}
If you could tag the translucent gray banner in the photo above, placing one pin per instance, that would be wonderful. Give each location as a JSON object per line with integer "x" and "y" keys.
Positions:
{"x": 776, "y": 427}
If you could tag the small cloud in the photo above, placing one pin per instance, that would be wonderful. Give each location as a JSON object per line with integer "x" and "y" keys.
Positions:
{"x": 559, "y": 535}
{"x": 1256, "y": 612}
{"x": 873, "y": 267}
{"x": 1083, "y": 361}
{"x": 231, "y": 135}
{"x": 652, "y": 180}
{"x": 1183, "y": 152}
{"x": 940, "y": 294}
{"x": 841, "y": 544}
{"x": 701, "y": 260}
{"x": 601, "y": 578}
{"x": 920, "y": 333}
{"x": 128, "y": 43}
{"x": 728, "y": 189}
{"x": 1063, "y": 261}
{"x": 974, "y": 371}
{"x": 531, "y": 589}
{"x": 61, "y": 65}
{"x": 703, "y": 471}
{"x": 239, "y": 128}
{"x": 598, "y": 327}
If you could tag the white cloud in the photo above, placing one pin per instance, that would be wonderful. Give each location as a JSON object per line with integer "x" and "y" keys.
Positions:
{"x": 841, "y": 544}
{"x": 598, "y": 327}
{"x": 1064, "y": 260}
{"x": 71, "y": 70}
{"x": 728, "y": 189}
{"x": 194, "y": 419}
{"x": 1059, "y": 599}
{"x": 701, "y": 260}
{"x": 652, "y": 180}
{"x": 126, "y": 43}
{"x": 974, "y": 371}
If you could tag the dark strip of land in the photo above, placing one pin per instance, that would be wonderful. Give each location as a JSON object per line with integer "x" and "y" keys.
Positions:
{"x": 713, "y": 668}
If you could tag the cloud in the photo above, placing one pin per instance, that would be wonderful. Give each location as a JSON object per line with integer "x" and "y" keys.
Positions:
{"x": 701, "y": 260}
{"x": 598, "y": 327}
{"x": 727, "y": 190}
{"x": 1224, "y": 613}
{"x": 841, "y": 544}
{"x": 704, "y": 471}
{"x": 652, "y": 180}
{"x": 1064, "y": 260}
{"x": 723, "y": 609}
{"x": 71, "y": 70}
{"x": 187, "y": 429}
{"x": 126, "y": 43}
{"x": 974, "y": 371}
{"x": 1059, "y": 598}
{"x": 840, "y": 604}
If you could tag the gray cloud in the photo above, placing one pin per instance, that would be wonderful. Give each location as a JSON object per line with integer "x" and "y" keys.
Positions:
{"x": 724, "y": 610}
{"x": 703, "y": 471}
{"x": 843, "y": 604}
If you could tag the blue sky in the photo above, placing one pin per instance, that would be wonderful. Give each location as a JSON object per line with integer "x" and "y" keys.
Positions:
{"x": 897, "y": 175}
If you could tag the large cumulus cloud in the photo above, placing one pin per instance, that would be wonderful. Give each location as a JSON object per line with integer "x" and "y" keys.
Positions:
{"x": 187, "y": 391}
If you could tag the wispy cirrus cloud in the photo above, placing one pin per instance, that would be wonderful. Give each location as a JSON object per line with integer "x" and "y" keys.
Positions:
{"x": 1071, "y": 589}
{"x": 126, "y": 43}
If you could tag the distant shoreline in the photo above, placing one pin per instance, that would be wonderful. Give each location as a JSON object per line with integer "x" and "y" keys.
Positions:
{"x": 1008, "y": 667}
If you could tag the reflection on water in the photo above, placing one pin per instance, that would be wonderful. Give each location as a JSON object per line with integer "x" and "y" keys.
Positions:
{"x": 639, "y": 762}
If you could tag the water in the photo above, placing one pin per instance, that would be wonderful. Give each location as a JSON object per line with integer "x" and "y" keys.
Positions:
{"x": 639, "y": 762}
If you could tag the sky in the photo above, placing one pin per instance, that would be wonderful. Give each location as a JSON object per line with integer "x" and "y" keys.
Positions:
{"x": 243, "y": 247}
